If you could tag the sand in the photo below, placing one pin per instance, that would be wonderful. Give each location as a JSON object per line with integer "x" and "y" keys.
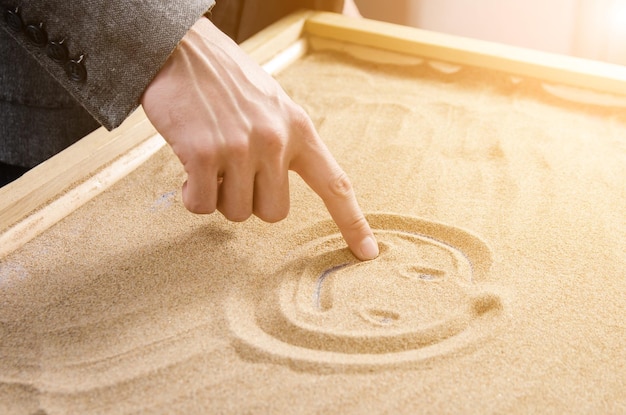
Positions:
{"x": 500, "y": 208}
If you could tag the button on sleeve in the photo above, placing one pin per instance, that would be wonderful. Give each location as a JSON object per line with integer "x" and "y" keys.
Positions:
{"x": 75, "y": 69}
{"x": 57, "y": 51}
{"x": 36, "y": 34}
{"x": 13, "y": 19}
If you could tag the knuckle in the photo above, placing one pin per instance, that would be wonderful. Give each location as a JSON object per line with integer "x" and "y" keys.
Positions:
{"x": 340, "y": 185}
{"x": 302, "y": 122}
{"x": 271, "y": 138}
{"x": 204, "y": 157}
{"x": 195, "y": 155}
{"x": 359, "y": 224}
{"x": 301, "y": 116}
{"x": 238, "y": 151}
{"x": 275, "y": 143}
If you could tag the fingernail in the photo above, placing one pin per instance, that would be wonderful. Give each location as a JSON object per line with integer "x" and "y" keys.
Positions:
{"x": 369, "y": 248}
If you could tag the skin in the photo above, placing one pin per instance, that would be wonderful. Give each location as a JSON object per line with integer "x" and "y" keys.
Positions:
{"x": 237, "y": 134}
{"x": 351, "y": 9}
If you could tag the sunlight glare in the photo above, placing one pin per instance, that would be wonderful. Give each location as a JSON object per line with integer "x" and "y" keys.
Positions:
{"x": 619, "y": 17}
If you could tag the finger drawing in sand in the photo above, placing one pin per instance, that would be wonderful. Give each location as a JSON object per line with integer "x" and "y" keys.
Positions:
{"x": 325, "y": 310}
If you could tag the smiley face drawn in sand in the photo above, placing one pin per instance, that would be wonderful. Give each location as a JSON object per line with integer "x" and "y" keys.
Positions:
{"x": 326, "y": 311}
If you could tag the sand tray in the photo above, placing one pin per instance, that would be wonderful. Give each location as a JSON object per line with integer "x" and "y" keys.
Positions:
{"x": 494, "y": 178}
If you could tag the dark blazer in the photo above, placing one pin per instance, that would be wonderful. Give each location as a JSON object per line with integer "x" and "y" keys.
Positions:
{"x": 38, "y": 117}
{"x": 93, "y": 54}
{"x": 240, "y": 19}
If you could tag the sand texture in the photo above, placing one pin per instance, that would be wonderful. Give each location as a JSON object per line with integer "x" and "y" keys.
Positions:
{"x": 500, "y": 208}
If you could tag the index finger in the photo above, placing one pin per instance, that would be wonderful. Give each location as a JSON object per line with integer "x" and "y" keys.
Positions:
{"x": 319, "y": 169}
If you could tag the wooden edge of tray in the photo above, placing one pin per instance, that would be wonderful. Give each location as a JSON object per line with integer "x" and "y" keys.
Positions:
{"x": 73, "y": 165}
{"x": 559, "y": 69}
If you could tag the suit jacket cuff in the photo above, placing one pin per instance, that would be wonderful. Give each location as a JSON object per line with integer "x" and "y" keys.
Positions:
{"x": 104, "y": 53}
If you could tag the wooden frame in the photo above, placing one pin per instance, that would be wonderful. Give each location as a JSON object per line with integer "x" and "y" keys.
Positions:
{"x": 60, "y": 185}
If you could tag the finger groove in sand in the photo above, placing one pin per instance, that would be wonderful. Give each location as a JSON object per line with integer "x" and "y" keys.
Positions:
{"x": 326, "y": 311}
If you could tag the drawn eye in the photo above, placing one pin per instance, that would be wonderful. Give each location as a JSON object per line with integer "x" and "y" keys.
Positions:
{"x": 424, "y": 273}
{"x": 380, "y": 317}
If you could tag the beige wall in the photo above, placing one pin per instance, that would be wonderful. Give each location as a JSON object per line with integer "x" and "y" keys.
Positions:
{"x": 577, "y": 27}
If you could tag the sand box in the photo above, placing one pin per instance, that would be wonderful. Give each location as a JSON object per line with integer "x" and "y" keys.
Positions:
{"x": 500, "y": 208}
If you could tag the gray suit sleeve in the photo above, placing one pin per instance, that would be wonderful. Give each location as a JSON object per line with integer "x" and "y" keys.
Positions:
{"x": 104, "y": 53}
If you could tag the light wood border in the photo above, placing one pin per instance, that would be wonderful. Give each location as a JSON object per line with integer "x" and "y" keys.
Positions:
{"x": 60, "y": 185}
{"x": 61, "y": 172}
{"x": 567, "y": 70}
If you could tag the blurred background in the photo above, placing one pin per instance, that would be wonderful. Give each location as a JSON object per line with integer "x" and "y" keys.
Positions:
{"x": 594, "y": 29}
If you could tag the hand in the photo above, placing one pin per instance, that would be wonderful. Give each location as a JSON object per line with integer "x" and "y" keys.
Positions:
{"x": 237, "y": 134}
{"x": 351, "y": 9}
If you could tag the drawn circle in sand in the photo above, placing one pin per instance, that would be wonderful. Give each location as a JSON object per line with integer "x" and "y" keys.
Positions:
{"x": 327, "y": 311}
